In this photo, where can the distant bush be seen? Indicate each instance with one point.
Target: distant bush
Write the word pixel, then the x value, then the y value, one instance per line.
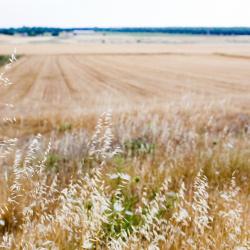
pixel 3 60
pixel 64 127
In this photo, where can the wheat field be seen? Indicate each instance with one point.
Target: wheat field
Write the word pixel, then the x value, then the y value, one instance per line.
pixel 125 146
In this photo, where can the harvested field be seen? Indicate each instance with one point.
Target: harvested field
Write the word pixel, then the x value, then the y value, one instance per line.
pixel 69 80
pixel 76 83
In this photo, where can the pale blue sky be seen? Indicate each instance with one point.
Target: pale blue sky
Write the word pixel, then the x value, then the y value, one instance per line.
pixel 117 13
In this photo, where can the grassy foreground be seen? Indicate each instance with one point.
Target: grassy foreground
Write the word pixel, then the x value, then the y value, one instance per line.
pixel 169 177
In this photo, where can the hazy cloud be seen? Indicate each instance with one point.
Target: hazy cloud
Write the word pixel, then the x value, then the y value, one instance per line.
pixel 80 13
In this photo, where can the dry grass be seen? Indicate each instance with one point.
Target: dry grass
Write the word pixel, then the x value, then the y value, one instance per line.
pixel 169 173
pixel 169 178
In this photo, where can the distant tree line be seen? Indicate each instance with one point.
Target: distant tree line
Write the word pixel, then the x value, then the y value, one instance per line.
pixel 183 30
pixel 34 31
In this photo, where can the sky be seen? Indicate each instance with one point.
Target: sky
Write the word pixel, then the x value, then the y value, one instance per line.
pixel 124 13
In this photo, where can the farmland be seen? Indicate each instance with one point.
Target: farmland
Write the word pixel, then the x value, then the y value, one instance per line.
pixel 66 83
pixel 125 145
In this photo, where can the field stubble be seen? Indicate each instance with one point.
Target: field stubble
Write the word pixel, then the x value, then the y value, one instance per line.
pixel 52 87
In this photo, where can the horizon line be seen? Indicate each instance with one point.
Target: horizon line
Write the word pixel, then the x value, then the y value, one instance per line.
pixel 122 27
